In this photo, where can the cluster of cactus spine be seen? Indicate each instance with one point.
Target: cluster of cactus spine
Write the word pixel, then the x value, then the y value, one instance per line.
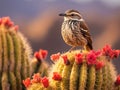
pixel 16 63
pixel 82 70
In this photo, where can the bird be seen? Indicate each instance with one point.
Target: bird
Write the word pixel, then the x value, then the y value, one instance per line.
pixel 75 31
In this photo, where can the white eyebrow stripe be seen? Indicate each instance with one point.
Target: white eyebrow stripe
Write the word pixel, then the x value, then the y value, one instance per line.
pixel 78 14
pixel 79 19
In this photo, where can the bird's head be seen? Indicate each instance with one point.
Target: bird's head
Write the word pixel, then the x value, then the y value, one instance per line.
pixel 71 15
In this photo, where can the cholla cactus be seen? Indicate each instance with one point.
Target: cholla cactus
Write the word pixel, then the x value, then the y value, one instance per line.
pixel 14 56
pixel 82 70
pixel 38 64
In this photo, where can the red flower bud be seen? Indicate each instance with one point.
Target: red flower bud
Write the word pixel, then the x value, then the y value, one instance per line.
pixel 117 82
pixel 97 53
pixel 65 59
pixel 27 82
pixel 36 78
pixel 36 54
pixel 91 58
pixel 55 57
pixel 45 82
pixel 99 65
pixel 42 54
pixel 107 50
pixel 6 21
pixel 79 58
pixel 56 76
pixel 114 54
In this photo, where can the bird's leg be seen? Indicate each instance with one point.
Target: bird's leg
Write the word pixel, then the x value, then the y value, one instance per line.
pixel 71 49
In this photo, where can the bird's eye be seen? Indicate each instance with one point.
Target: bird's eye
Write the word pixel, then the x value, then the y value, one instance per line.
pixel 72 14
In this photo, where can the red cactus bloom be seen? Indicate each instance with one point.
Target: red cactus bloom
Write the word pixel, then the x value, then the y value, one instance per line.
pixel 27 82
pixel 45 82
pixel 114 54
pixel 6 21
pixel 99 65
pixel 107 50
pixel 65 58
pixel 36 54
pixel 42 54
pixel 97 53
pixel 117 82
pixel 79 58
pixel 91 58
pixel 55 57
pixel 56 76
pixel 36 78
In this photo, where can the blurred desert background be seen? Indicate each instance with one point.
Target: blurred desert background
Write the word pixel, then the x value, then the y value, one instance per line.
pixel 38 20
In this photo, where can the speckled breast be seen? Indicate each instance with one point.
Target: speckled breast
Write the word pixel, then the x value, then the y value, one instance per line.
pixel 71 33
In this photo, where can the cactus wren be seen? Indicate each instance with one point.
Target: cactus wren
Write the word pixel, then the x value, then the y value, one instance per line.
pixel 75 31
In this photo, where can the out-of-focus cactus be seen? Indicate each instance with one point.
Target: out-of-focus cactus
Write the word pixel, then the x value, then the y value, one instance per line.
pixel 82 70
pixel 38 64
pixel 14 56
pixel 37 83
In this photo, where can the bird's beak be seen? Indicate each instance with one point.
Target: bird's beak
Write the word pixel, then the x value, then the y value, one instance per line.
pixel 62 14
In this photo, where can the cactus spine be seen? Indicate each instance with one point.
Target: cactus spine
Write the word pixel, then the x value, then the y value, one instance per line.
pixel 14 64
pixel 83 76
pixel 81 70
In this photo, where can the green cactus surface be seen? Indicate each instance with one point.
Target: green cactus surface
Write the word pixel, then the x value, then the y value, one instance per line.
pixel 81 75
pixel 80 70
pixel 14 56
pixel 39 67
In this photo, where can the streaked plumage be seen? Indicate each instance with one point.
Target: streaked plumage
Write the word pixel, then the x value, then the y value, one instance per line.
pixel 74 30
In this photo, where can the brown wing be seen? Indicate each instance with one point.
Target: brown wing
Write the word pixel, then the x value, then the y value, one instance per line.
pixel 85 32
pixel 84 25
